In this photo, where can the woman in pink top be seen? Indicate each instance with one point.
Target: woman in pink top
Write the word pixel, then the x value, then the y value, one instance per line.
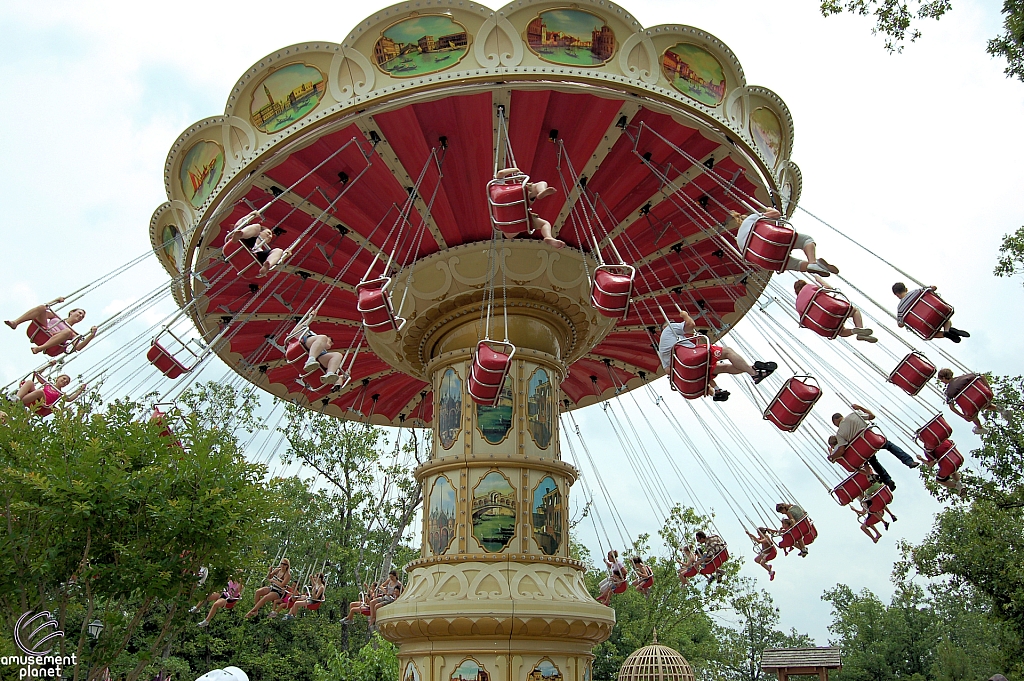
pixel 805 292
pixel 46 394
pixel 59 330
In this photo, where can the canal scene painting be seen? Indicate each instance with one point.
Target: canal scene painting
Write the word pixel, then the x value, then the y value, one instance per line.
pixel 547 516
pixel 695 72
pixel 495 422
pixel 571 37
pixel 766 129
pixel 420 45
pixel 470 670
pixel 545 670
pixel 441 515
pixel 200 171
pixel 449 408
pixel 494 512
pixel 285 96
pixel 540 407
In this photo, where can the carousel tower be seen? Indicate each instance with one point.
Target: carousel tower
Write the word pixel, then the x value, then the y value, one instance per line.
pixel 370 159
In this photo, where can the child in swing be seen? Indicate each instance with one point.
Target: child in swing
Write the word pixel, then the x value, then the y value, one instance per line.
pixel 534 192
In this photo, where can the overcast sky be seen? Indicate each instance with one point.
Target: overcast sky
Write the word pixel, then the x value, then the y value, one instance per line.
pixel 916 155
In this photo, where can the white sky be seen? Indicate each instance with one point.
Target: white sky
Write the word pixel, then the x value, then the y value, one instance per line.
pixel 918 155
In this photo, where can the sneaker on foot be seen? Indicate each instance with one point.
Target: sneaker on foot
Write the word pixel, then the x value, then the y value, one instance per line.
pixel 194 609
pixel 952 335
pixel 329 377
pixel 803 554
pixel 815 268
pixel 913 464
pixel 1006 414
pixel 310 365
pixel 979 430
pixel 867 338
pixel 861 331
pixel 960 332
pixel 771 576
pixel 202 624
pixel 831 268
pixel 891 484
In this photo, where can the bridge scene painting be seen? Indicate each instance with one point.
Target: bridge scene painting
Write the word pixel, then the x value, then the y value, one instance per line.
pixel 494 512
pixel 200 171
pixel 420 45
pixel 695 72
pixel 286 96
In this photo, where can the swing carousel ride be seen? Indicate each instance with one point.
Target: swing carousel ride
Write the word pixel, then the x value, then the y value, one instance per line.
pixel 478 221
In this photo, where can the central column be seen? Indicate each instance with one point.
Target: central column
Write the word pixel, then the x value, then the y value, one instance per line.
pixel 494 595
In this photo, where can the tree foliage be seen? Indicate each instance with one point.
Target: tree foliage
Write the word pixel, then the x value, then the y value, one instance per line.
pixel 897 22
pixel 1011 255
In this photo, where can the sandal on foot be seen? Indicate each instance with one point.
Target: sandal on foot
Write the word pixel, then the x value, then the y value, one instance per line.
pixel 720 395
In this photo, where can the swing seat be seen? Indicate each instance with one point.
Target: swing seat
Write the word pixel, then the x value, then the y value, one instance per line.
pixel 374 305
pixel 947 457
pixel 974 398
pixel 793 403
pixel 933 433
pixel 770 243
pixel 646 584
pixel 160 418
pixel 229 604
pixel 769 554
pixel 873 518
pixel 691 572
pixel 852 488
pixel 510 205
pixel 803 531
pixel 620 588
pixel 691 367
pixel 612 289
pixel 861 448
pixel 912 373
pixel 879 500
pixel 927 314
pixel 38 335
pixel 490 367
pixel 314 606
pixel 826 313
pixel 716 562
pixel 167 363
pixel 241 260
pixel 365 610
pixel 295 353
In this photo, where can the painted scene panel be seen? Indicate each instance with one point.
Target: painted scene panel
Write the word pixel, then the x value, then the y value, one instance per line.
pixel 285 96
pixel 494 512
pixel 766 129
pixel 695 72
pixel 411 672
pixel 547 516
pixel 441 515
pixel 540 407
pixel 495 422
pixel 470 670
pixel 571 37
pixel 201 170
pixel 545 670
pixel 449 419
pixel 420 45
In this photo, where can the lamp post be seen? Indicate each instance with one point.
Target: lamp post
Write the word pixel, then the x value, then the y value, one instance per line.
pixel 95 628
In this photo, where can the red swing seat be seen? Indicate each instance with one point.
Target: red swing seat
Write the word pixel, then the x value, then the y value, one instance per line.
pixel 826 313
pixel 912 373
pixel 793 403
pixel 314 606
pixel 716 562
pixel 168 364
pixel 691 572
pixel 295 353
pixel 974 398
pixel 162 419
pixel 770 243
pixel 861 448
pixel 510 205
pixel 769 554
pixel 803 530
pixel 933 433
pixel 646 584
pixel 229 604
pixel 490 367
pixel 621 587
pixel 852 487
pixel 365 610
pixel 374 305
pixel 947 457
pixel 691 367
pixel 879 500
pixel 612 289
pixel 927 314
pixel 39 335
pixel 242 260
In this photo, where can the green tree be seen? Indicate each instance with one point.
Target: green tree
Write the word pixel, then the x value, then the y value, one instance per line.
pixel 898 20
pixel 108 516
pixel 376 661
pixel 756 630
pixel 1011 255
